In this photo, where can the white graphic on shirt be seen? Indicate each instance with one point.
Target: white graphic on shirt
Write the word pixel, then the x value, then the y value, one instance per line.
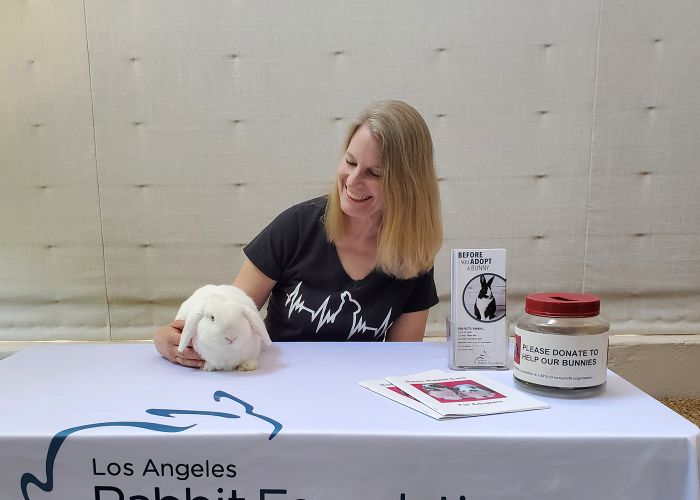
pixel 295 301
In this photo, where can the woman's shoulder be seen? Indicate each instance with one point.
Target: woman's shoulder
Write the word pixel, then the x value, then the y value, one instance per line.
pixel 313 205
pixel 301 217
pixel 309 210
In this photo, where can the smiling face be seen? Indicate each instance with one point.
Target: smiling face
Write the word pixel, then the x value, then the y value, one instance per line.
pixel 360 177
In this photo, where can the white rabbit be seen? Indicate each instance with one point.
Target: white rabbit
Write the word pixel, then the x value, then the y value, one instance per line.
pixel 226 327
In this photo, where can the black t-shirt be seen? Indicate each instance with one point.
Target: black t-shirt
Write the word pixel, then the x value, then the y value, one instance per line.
pixel 314 299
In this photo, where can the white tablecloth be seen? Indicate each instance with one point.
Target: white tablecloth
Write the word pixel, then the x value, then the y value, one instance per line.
pixel 118 422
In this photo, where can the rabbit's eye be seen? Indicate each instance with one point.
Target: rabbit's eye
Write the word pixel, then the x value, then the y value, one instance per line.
pixel 212 318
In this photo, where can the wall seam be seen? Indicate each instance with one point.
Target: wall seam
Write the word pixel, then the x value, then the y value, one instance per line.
pixel 97 173
pixel 590 152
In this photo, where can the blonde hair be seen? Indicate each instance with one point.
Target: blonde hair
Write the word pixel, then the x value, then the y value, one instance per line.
pixel 410 232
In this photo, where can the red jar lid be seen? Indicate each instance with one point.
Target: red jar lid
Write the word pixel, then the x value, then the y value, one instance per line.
pixel 571 305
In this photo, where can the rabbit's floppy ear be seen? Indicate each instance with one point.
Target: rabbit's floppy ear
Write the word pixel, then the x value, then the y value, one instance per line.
pixel 190 328
pixel 257 324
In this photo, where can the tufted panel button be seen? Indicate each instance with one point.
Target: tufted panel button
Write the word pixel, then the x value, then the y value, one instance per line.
pixel 238 184
pixel 644 173
pixel 232 56
pixel 43 186
pixel 338 53
pixel 141 186
pixel 133 59
pixel 441 179
pixel 441 115
pixel 540 176
pixel 441 49
pixel 236 121
pixel 538 237
pixel 50 246
pixel 640 235
pixel 137 124
pixel 651 108
pixel 337 118
pixel 37 125
pixel 547 45
pixel 145 245
pixel 544 112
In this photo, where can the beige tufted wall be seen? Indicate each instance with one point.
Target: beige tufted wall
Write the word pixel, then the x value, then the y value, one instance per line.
pixel 143 143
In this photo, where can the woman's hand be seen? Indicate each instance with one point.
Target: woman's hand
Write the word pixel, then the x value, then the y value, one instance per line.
pixel 167 340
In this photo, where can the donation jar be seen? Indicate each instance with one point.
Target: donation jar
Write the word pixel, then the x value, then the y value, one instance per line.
pixel 561 345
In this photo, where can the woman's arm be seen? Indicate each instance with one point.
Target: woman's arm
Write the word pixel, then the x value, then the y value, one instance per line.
pixel 254 282
pixel 409 327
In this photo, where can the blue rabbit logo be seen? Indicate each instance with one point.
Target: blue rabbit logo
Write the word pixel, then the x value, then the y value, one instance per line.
pixel 61 436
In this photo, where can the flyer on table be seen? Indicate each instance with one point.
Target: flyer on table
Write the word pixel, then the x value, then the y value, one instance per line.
pixel 389 390
pixel 466 394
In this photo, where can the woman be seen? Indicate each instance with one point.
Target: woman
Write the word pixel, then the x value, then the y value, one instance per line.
pixel 358 263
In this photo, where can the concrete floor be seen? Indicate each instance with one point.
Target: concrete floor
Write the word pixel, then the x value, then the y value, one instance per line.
pixel 689 408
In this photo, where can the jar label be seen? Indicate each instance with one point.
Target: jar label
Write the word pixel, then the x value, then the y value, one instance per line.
pixel 566 361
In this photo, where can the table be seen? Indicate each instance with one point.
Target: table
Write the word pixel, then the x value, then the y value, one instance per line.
pixel 118 422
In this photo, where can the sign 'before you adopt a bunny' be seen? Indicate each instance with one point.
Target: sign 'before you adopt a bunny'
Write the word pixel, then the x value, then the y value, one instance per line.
pixel 477 327
pixel 225 328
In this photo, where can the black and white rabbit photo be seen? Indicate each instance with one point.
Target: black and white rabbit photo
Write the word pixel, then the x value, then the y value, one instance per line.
pixel 485 303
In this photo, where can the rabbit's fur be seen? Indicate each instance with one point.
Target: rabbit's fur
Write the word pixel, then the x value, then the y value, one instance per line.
pixel 485 304
pixel 226 327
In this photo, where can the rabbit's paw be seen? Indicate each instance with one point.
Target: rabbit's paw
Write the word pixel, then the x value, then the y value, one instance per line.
pixel 208 367
pixel 250 365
